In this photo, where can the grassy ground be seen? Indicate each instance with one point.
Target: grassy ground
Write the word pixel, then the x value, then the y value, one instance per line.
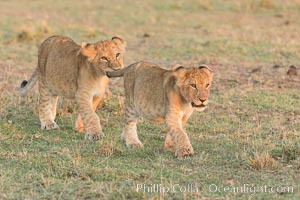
pixel 246 143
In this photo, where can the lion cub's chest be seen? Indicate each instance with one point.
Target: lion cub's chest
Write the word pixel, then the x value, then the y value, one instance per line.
pixel 100 86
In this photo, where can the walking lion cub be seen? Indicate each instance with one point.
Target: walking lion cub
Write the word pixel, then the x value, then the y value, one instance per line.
pixel 74 72
pixel 163 95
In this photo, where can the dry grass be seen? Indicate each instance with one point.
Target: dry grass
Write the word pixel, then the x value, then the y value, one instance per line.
pixel 262 161
pixel 28 33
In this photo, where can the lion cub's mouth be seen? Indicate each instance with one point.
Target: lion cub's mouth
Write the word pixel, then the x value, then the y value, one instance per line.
pixel 198 106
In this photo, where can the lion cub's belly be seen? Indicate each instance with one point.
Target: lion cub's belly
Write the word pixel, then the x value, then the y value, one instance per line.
pixel 158 118
pixel 64 88
pixel 154 113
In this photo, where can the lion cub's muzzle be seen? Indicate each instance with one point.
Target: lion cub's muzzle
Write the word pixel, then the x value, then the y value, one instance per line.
pixel 198 105
pixel 112 69
pixel 114 66
pixel 201 104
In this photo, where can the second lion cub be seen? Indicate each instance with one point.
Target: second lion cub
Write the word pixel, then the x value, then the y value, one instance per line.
pixel 163 95
pixel 75 72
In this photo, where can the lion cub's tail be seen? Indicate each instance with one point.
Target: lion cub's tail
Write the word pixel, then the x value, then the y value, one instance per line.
pixel 119 73
pixel 27 85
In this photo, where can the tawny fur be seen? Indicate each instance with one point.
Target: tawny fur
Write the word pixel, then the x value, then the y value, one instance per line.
pixel 74 72
pixel 163 95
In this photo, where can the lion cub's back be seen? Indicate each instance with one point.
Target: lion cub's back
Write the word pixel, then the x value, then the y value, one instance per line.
pixel 58 64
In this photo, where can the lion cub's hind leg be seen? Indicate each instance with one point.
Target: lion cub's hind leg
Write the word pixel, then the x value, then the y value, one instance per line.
pixel 54 101
pixel 129 133
pixel 47 108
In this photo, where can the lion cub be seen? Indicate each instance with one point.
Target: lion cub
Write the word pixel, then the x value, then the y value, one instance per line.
pixel 74 72
pixel 158 94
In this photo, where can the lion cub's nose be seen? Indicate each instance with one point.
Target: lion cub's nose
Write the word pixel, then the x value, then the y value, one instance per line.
pixel 202 100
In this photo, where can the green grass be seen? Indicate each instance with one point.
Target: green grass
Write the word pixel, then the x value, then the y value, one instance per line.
pixel 248 136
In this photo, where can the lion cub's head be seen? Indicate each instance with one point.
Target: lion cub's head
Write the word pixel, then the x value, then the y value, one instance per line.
pixel 107 55
pixel 194 84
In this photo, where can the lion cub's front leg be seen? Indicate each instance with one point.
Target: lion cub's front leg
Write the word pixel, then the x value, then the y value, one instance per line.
pixel 177 137
pixel 79 126
pixel 89 117
pixel 169 144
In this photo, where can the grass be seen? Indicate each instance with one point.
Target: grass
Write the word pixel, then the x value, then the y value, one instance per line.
pixel 248 137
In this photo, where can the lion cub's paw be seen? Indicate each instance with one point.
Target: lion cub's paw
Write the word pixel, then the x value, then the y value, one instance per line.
pixel 93 136
pixel 134 144
pixel 50 126
pixel 184 151
pixel 131 142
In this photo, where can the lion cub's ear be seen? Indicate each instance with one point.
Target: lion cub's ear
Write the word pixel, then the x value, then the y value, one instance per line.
pixel 119 41
pixel 205 67
pixel 176 66
pixel 88 50
pixel 179 70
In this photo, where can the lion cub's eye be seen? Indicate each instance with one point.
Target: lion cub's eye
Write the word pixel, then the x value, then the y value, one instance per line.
pixel 118 55
pixel 194 86
pixel 104 58
pixel 207 85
